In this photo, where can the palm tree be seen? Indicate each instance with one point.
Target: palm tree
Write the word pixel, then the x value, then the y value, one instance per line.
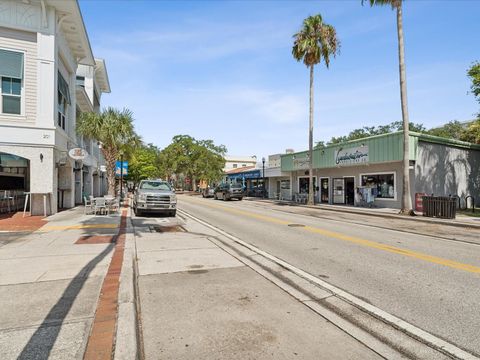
pixel 406 198
pixel 114 130
pixel 314 42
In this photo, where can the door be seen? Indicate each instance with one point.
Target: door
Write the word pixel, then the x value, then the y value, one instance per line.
pixel 350 191
pixel 339 191
pixel 324 190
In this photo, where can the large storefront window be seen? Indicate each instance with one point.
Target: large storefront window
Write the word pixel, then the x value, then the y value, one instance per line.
pixel 383 185
pixel 303 184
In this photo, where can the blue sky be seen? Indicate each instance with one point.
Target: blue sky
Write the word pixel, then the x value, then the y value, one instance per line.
pixel 223 70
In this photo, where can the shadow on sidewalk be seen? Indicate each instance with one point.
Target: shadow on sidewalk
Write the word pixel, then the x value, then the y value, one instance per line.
pixel 42 341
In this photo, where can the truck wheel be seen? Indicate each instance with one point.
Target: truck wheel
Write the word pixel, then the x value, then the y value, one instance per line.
pixel 138 212
pixel 173 213
pixel 215 197
pixel 240 199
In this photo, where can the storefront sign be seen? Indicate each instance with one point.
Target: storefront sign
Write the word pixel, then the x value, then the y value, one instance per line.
pixel 351 156
pixel 78 153
pixel 301 164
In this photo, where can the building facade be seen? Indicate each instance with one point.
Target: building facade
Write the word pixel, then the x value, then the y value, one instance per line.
pixel 369 171
pixel 237 162
pixel 44 46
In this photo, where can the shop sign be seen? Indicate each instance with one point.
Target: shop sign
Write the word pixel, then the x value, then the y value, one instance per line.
pixel 351 156
pixel 78 153
pixel 301 164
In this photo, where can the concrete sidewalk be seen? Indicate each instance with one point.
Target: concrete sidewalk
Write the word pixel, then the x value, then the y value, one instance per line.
pixel 199 302
pixel 50 284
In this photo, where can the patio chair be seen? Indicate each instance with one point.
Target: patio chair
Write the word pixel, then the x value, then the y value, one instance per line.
pixel 100 205
pixel 114 205
pixel 88 206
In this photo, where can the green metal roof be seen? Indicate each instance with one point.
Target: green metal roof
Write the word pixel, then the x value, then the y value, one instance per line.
pixel 380 148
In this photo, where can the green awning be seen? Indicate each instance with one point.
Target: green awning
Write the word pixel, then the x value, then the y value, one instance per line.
pixel 11 64
pixel 63 88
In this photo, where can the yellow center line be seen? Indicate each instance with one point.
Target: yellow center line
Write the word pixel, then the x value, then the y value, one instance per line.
pixel 83 226
pixel 356 240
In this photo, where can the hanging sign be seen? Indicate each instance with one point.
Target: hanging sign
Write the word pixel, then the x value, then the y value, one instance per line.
pixel 351 156
pixel 78 154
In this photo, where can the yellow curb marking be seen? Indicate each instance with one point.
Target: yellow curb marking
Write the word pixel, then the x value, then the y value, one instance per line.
pixel 364 242
pixel 84 226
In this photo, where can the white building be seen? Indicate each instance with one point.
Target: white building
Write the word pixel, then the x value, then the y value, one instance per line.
pixel 236 162
pixel 44 49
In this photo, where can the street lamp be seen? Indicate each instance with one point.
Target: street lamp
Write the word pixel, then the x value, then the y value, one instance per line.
pixel 263 174
pixel 121 176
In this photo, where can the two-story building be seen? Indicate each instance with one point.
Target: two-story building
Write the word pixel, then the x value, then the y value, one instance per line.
pixel 48 76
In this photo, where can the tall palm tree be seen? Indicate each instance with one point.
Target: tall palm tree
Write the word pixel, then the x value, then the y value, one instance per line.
pixel 406 198
pixel 315 41
pixel 114 129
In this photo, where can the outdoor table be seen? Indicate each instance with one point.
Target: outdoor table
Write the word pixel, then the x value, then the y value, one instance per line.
pixel 30 195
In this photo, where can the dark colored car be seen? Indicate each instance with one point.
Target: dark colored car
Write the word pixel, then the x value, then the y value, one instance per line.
pixel 228 192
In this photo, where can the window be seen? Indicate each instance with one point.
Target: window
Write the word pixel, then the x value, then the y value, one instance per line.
pixel 234 166
pixel 11 76
pixel 11 95
pixel 63 101
pixel 383 184
pixel 244 165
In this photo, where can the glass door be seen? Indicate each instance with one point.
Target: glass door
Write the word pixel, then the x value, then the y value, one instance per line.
pixel 339 191
pixel 324 193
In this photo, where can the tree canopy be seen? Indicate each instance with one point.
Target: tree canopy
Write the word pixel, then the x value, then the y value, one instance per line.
pixel 145 163
pixel 194 159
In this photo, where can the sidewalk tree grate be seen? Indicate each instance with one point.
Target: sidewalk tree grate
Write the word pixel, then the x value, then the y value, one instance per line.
pixel 296 225
pixel 95 239
pixel 165 229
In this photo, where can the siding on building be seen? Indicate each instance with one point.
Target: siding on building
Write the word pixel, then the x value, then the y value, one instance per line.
pixel 447 170
pixel 26 42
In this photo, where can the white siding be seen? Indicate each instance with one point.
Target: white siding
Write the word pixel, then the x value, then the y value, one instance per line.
pixel 24 42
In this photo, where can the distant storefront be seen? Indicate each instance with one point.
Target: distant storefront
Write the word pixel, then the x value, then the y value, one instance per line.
pixel 251 180
pixel 369 171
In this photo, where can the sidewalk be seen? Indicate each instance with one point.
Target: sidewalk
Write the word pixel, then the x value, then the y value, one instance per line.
pixel 199 302
pixel 50 282
pixel 460 221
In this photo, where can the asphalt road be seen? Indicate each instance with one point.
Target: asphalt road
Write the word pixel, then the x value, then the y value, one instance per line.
pixel 428 281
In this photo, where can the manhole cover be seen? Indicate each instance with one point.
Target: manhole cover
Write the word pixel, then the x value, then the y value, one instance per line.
pixel 165 229
pixel 296 225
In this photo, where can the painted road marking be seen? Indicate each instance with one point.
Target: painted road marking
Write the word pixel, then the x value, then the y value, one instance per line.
pixel 74 227
pixel 356 240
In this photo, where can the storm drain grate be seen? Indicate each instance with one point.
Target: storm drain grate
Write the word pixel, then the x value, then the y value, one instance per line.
pixel 167 229
pixel 296 225
pixel 95 239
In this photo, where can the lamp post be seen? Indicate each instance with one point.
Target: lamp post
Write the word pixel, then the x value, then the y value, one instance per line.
pixel 263 174
pixel 121 176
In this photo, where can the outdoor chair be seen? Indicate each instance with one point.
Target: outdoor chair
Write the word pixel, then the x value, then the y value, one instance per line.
pixel 114 205
pixel 100 205
pixel 88 206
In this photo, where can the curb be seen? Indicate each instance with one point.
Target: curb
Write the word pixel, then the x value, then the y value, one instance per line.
pixel 126 339
pixel 389 216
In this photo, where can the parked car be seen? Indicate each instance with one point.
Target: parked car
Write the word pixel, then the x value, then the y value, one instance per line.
pixel 155 196
pixel 228 192
pixel 208 192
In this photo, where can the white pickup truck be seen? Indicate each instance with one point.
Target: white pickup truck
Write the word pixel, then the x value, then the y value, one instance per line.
pixel 154 196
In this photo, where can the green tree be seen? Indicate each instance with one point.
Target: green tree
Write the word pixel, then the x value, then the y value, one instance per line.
pixel 144 163
pixel 472 132
pixel 474 75
pixel 194 159
pixel 367 131
pixel 115 131
pixel 452 130
pixel 316 40
pixel 407 208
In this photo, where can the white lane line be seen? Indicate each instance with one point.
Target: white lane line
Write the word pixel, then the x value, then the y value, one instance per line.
pixel 410 329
